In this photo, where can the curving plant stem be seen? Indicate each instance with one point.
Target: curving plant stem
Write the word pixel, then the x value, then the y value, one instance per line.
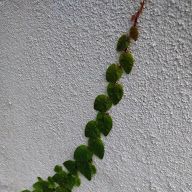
pixel 136 16
pixel 64 180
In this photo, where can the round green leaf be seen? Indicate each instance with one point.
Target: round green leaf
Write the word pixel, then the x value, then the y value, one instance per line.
pixel 123 43
pixel 92 130
pixel 71 166
pixel 96 145
pixel 126 60
pixel 113 73
pixel 64 179
pixel 70 182
pixel 115 92
pixel 58 168
pixel 51 183
pixel 44 186
pixel 93 169
pixel 38 186
pixel 60 177
pixel 105 123
pixel 85 169
pixel 102 103
pixel 82 153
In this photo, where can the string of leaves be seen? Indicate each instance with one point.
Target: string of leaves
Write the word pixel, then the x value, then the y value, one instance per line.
pixel 66 177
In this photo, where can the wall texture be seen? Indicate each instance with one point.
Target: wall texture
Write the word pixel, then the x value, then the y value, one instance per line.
pixel 53 57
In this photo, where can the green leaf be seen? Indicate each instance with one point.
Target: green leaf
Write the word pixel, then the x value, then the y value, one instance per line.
pixel 58 168
pixel 93 169
pixel 123 43
pixel 82 153
pixel 115 92
pixel 62 189
pixel 51 183
pixel 105 123
pixel 60 177
pixel 78 182
pixel 66 180
pixel 133 33
pixel 92 130
pixel 126 61
pixel 26 191
pixel 96 145
pixel 70 182
pixel 39 179
pixel 113 73
pixel 85 169
pixel 43 186
pixel 71 166
pixel 102 103
pixel 38 186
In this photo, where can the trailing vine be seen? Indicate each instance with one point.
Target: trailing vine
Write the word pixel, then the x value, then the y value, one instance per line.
pixel 64 180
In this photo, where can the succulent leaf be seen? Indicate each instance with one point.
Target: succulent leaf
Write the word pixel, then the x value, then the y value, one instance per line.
pixel 71 166
pixel 82 153
pixel 102 103
pixel 92 130
pixel 96 145
pixel 113 73
pixel 115 92
pixel 126 60
pixel 93 169
pixel 85 169
pixel 105 123
pixel 58 168
pixel 123 43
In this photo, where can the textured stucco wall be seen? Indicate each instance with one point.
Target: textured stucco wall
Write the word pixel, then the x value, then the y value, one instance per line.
pixel 53 57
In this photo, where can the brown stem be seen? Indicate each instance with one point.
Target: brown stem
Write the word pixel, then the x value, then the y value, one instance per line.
pixel 135 17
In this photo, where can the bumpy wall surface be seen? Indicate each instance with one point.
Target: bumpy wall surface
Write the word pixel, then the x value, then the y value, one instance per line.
pixel 53 58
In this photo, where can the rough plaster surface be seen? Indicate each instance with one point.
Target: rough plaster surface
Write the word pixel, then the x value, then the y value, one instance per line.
pixel 53 57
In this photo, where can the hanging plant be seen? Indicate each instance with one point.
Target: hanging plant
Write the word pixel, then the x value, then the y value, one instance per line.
pixel 64 180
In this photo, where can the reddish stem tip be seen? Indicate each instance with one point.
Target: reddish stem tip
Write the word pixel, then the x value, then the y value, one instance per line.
pixel 136 16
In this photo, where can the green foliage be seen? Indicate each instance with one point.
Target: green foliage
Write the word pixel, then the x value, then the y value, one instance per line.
pixel 77 182
pixel 105 123
pixel 92 130
pixel 65 180
pixel 44 186
pixel 58 168
pixel 62 189
pixel 71 166
pixel 93 169
pixel 115 92
pixel 123 43
pixel 126 61
pixel 60 177
pixel 96 145
pixel 113 73
pixel 102 103
pixel 25 191
pixel 82 153
pixel 70 182
pixel 85 169
pixel 133 33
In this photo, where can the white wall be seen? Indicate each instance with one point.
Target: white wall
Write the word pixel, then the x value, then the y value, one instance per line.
pixel 53 58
